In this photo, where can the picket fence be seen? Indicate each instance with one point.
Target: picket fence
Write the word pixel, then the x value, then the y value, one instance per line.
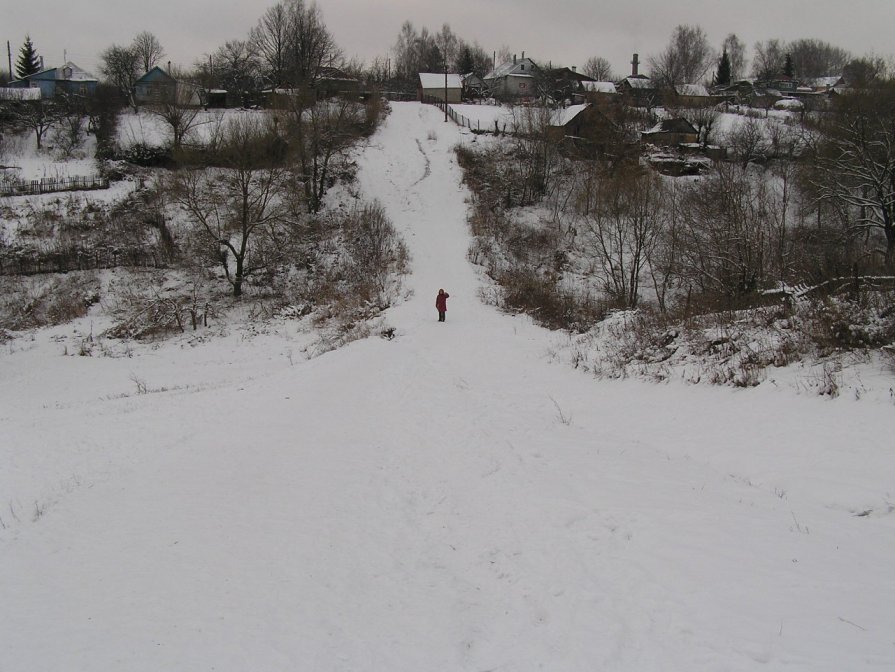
pixel 49 185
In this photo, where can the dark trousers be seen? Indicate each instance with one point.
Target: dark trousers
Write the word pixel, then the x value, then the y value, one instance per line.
pixel 441 316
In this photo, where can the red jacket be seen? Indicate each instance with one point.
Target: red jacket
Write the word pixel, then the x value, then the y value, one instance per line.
pixel 441 302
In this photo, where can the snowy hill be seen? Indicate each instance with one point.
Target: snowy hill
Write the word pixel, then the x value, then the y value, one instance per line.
pixel 451 499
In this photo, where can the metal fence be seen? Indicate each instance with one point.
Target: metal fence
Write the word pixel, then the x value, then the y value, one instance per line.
pixel 49 185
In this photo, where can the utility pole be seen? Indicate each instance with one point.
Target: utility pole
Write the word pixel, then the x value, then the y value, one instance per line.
pixel 9 56
pixel 445 91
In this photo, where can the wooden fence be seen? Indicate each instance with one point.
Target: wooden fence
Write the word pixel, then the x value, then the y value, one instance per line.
pixel 63 260
pixel 459 119
pixel 49 185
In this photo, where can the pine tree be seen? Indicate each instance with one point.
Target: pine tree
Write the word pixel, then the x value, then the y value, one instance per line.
pixel 788 69
pixel 27 63
pixel 722 76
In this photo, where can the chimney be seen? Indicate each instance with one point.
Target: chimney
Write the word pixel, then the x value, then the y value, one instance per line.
pixel 635 63
pixel 574 68
pixel 514 59
pixel 523 55
pixel 169 67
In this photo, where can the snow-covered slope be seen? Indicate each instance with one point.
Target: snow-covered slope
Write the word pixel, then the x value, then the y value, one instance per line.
pixel 447 500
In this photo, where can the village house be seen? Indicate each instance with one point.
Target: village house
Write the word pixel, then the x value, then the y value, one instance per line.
pixel 440 86
pixel 68 79
pixel 690 95
pixel 601 94
pixel 671 133
pixel 473 86
pixel 332 82
pixel 513 79
pixel 157 86
pixel 565 84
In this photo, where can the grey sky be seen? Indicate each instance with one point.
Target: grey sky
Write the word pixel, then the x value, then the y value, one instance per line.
pixel 565 32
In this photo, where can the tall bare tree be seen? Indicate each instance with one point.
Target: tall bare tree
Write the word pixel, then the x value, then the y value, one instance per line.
pixel 856 161
pixel 598 68
pixel 120 66
pixel 686 60
pixel 816 58
pixel 148 50
pixel 768 60
pixel 238 209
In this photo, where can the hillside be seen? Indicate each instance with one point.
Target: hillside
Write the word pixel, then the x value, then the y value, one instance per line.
pixel 449 499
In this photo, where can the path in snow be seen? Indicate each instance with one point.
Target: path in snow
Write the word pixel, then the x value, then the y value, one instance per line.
pixel 448 500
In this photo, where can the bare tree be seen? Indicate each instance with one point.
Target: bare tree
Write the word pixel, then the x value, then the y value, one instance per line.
pixel 320 134
pixel 686 60
pixel 236 66
pixel 816 58
pixel 293 43
pixel 598 68
pixel 120 67
pixel 238 210
pixel 624 219
pixel 768 59
pixel 148 50
pixel 856 161
pixel 38 115
pixel 180 111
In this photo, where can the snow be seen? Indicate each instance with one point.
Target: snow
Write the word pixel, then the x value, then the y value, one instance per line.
pixel 452 499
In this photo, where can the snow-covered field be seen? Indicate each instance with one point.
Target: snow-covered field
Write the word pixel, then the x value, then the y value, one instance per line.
pixel 451 499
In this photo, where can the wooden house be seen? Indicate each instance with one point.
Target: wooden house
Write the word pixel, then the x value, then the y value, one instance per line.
pixel 66 80
pixel 157 87
pixel 513 79
pixel 580 122
pixel 639 91
pixel 690 95
pixel 332 82
pixel 601 94
pixel 440 86
pixel 671 132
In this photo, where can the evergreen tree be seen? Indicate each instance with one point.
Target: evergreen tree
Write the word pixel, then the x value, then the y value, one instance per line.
pixel 788 69
pixel 722 76
pixel 466 63
pixel 27 63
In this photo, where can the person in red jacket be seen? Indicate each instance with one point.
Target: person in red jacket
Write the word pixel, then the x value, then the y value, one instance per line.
pixel 441 303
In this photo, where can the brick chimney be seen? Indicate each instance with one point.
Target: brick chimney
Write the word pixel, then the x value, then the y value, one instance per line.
pixel 635 65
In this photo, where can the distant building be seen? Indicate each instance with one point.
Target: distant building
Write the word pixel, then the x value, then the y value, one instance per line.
pixel 513 79
pixel 332 82
pixel 157 86
pixel 66 80
pixel 671 132
pixel 600 93
pixel 691 95
pixel 436 85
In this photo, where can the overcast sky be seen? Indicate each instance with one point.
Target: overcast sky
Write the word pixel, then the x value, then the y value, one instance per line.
pixel 564 32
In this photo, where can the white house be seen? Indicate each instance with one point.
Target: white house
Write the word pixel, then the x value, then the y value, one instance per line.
pixel 513 79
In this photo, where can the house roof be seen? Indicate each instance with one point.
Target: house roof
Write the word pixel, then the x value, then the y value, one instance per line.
pixel 154 75
pixel 326 72
pixel 563 116
pixel 435 80
pixel 644 83
pixel 599 87
pixel 674 125
pixel 66 73
pixel 512 68
pixel 692 90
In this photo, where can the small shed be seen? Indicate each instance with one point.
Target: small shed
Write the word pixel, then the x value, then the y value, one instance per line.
pixel 438 84
pixel 671 132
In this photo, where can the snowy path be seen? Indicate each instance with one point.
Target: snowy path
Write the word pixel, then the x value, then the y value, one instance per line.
pixel 420 504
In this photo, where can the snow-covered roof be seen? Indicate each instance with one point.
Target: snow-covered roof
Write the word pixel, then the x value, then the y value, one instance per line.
pixel 435 80
pixel 517 67
pixel 599 87
pixel 640 82
pixel 68 72
pixel 563 116
pixel 694 90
